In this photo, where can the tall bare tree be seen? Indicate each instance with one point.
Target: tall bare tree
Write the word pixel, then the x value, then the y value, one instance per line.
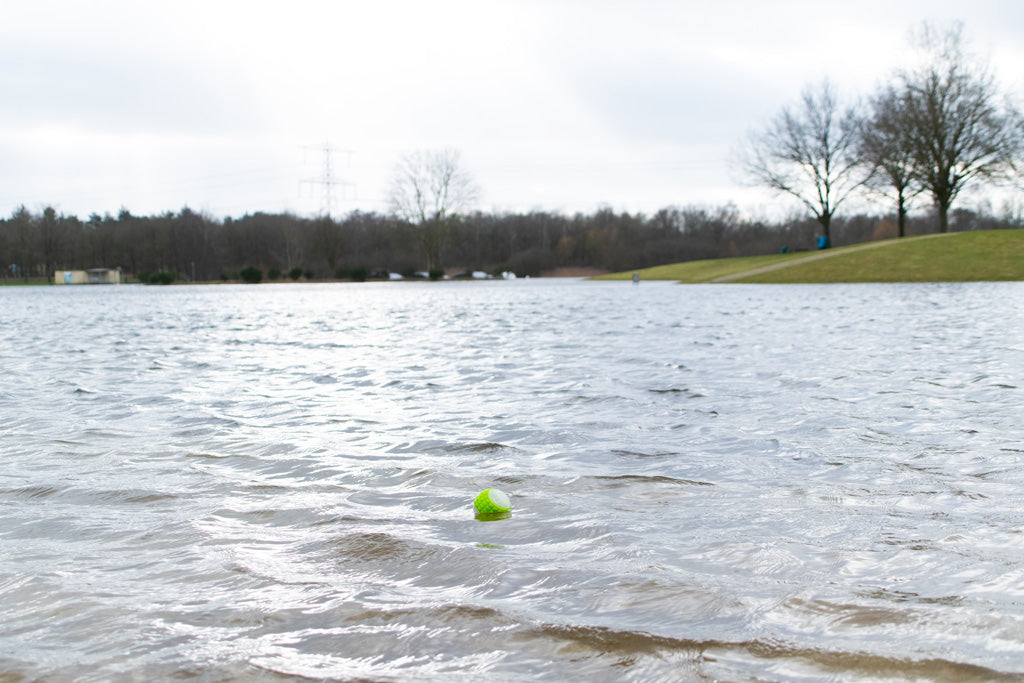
pixel 429 189
pixel 961 130
pixel 809 152
pixel 885 147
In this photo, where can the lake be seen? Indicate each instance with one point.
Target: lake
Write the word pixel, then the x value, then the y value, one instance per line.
pixel 711 482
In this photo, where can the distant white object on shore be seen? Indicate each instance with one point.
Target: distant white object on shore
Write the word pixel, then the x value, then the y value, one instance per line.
pixel 93 276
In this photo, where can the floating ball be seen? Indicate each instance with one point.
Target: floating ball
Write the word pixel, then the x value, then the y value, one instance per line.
pixel 492 502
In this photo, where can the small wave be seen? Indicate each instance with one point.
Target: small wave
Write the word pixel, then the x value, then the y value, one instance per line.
pixel 422 446
pixel 688 393
pixel 639 454
pixel 130 496
pixel 30 492
pixel 616 481
pixel 486 447
pixel 714 654
pixel 380 547
pixel 85 496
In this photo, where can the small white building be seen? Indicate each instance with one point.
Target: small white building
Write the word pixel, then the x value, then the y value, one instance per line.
pixel 93 276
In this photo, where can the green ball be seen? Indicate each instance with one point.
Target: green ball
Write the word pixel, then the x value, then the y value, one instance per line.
pixel 492 502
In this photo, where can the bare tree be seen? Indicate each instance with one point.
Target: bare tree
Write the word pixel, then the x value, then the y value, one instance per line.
pixel 960 131
pixel 429 189
pixel 809 152
pixel 885 147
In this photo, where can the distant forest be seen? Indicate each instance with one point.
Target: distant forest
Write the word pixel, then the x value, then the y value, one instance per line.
pixel 190 246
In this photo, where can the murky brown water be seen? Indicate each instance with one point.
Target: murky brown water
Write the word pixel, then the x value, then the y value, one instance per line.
pixel 709 483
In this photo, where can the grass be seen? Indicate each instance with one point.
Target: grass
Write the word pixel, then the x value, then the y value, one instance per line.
pixel 991 255
pixel 703 271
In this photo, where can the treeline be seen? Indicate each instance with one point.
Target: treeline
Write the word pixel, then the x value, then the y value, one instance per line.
pixel 192 246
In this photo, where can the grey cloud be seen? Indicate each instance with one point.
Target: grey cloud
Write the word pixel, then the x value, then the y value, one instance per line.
pixel 663 98
pixel 122 93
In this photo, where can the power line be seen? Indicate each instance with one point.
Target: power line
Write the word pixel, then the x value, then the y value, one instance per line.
pixel 327 180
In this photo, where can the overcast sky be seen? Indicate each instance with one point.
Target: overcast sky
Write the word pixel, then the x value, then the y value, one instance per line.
pixel 556 105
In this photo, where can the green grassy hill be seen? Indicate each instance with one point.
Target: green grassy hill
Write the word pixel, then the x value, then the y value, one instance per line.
pixel 954 257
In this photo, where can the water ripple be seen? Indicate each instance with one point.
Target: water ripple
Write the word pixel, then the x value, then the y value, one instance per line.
pixel 720 483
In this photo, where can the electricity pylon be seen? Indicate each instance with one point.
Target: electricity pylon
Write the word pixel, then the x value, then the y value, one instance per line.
pixel 327 181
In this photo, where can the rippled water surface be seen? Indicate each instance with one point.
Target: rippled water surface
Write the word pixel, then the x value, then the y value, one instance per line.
pixel 721 482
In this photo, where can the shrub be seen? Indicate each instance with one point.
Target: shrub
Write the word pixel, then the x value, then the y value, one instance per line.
pixel 164 277
pixel 274 274
pixel 295 273
pixel 358 274
pixel 436 273
pixel 160 277
pixel 251 275
pixel 532 262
